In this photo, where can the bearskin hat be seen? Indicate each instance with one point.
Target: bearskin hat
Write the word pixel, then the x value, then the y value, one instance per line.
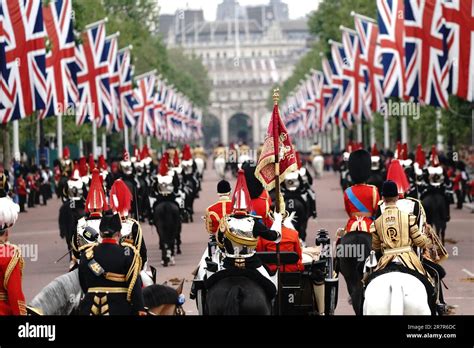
pixel 359 166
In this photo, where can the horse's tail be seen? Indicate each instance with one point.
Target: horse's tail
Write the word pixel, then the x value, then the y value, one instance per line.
pixel 396 299
pixel 232 301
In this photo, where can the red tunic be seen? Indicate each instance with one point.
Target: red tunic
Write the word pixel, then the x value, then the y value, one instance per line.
pixel 21 187
pixel 12 299
pixel 360 201
pixel 215 212
pixel 261 207
pixel 289 242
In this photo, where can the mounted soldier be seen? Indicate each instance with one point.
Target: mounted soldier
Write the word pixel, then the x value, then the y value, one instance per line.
pixel 109 274
pixel 12 299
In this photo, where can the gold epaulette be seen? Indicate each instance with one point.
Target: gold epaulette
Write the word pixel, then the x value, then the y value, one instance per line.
pixel 16 259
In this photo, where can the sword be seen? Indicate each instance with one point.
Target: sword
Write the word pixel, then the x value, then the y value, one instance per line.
pixel 62 257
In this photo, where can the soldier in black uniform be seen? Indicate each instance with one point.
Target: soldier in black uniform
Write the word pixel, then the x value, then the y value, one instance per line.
pixel 109 274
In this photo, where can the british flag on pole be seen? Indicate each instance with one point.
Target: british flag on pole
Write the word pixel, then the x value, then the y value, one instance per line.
pixel 112 120
pixel 426 53
pixel 61 68
pixel 368 32
pixel 459 17
pixel 24 75
pixel 93 76
pixel 391 20
pixel 329 91
pixel 145 99
pixel 126 100
pixel 4 95
pixel 339 60
pixel 317 79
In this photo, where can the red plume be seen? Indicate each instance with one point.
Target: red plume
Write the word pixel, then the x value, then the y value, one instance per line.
pixel 136 152
pixel 434 160
pixel 176 158
pixel 76 173
pixel 375 151
pixel 91 163
pixel 102 164
pixel 66 153
pixel 241 197
pixel 298 159
pixel 420 156
pixel 405 151
pixel 398 152
pixel 96 195
pixel 120 197
pixel 398 175
pixel 164 164
pixel 82 166
pixel 145 152
pixel 126 155
pixel 187 155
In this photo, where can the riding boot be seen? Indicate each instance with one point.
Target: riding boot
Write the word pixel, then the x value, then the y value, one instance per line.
pixel 318 291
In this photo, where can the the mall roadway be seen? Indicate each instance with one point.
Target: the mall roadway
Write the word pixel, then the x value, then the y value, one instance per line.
pixel 39 228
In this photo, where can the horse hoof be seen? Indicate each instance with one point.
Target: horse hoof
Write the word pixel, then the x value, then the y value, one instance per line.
pixel 178 251
pixel 172 262
pixel 164 263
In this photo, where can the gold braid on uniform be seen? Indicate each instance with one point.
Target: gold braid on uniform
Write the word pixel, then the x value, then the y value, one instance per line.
pixel 138 238
pixel 16 259
pixel 86 247
pixel 134 270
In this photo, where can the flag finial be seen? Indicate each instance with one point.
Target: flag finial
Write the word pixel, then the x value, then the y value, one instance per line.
pixel 276 96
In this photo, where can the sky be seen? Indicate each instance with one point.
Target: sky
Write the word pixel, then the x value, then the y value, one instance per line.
pixel 297 8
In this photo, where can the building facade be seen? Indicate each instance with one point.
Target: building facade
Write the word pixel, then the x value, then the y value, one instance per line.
pixel 246 51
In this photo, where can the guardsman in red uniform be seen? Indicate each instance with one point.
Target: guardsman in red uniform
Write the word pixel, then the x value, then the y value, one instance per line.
pixel 12 299
pixel 222 207
pixel 261 201
pixel 360 200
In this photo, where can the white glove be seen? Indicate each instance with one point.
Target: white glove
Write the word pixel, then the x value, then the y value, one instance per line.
pixel 276 226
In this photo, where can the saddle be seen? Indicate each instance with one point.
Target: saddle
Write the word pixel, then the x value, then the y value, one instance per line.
pixel 393 267
pixel 267 286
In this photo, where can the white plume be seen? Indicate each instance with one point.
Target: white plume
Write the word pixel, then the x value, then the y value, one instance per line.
pixel 8 212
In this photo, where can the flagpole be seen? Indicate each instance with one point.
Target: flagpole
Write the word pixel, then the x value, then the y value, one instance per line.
pixel 148 142
pixel 16 139
pixel 276 143
pixel 439 136
pixel 59 136
pixel 342 139
pixel 386 133
pixel 404 127
pixel 125 137
pixel 104 145
pixel 372 134
pixel 94 138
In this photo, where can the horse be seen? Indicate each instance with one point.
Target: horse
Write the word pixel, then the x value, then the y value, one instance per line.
pixel 200 165
pixel 352 251
pixel 237 295
pixel 190 188
pixel 143 202
pixel 220 166
pixel 396 293
pixel 69 214
pixel 167 220
pixel 318 165
pixel 295 204
pixel 436 210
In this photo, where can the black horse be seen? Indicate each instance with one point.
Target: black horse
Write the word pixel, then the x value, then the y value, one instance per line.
pixel 295 203
pixel 352 251
pixel 69 214
pixel 167 220
pixel 237 295
pixel 143 201
pixel 437 211
pixel 190 188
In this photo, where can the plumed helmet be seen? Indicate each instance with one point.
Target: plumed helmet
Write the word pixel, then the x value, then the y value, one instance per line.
pixel 434 159
pixel 223 187
pixel 96 196
pixel 176 158
pixel 241 202
pixel 145 152
pixel 120 197
pixel 83 166
pixel 420 156
pixel 254 186
pixel 91 163
pixel 359 166
pixel 66 153
pixel 110 224
pixel 8 213
pixel 163 171
pixel 397 174
pixel 102 164
pixel 187 155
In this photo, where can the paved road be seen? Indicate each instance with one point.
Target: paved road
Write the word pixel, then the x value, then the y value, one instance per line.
pixel 38 230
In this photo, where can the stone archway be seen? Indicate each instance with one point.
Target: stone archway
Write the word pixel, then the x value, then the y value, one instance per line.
pixel 241 128
pixel 211 129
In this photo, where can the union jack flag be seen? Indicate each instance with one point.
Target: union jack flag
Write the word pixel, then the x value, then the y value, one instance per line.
pixel 339 60
pixel 93 77
pixel 368 33
pixel 317 79
pixel 112 121
pixel 4 101
pixel 144 95
pixel 426 53
pixel 459 16
pixel 160 120
pixel 390 17
pixel 24 71
pixel 60 60
pixel 331 90
pixel 127 101
pixel 352 73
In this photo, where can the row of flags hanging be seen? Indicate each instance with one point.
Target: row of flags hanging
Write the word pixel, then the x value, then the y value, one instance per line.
pixel 417 50
pixel 43 69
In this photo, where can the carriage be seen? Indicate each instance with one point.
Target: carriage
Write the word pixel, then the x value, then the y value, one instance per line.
pixel 312 291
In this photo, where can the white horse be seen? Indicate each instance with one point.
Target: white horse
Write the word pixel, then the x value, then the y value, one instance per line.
pixel 396 293
pixel 199 165
pixel 318 165
pixel 219 166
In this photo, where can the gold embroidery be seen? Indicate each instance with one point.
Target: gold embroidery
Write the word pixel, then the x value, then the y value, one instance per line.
pixel 16 258
pixel 110 290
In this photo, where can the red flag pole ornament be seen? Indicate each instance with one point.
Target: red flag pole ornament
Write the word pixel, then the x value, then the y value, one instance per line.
pixel 278 156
